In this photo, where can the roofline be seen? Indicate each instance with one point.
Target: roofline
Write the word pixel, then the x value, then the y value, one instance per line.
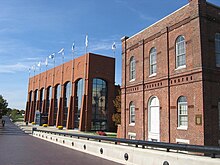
pixel 211 4
pixel 158 21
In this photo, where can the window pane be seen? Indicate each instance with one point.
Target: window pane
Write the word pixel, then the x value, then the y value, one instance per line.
pixel 153 61
pixel 99 105
pixel 180 52
pixel 132 113
pixel 132 68
pixel 182 112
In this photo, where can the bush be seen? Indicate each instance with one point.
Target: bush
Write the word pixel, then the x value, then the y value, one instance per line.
pixel 60 127
pixel 45 125
pixel 101 133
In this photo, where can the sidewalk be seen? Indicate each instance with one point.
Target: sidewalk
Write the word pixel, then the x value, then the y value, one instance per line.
pixel 28 129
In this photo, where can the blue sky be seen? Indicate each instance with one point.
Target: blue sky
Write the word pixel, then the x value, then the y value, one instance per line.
pixel 31 30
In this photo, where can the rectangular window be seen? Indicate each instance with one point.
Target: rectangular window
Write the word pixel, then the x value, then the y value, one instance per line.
pixel 183 116
pixel 132 114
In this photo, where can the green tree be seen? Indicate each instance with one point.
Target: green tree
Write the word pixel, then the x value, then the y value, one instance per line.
pixel 3 105
pixel 116 117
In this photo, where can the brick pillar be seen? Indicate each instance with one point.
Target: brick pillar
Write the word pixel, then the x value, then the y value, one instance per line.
pixel 27 111
pixel 123 88
pixel 70 119
pixel 60 112
pixel 83 114
pixel 51 113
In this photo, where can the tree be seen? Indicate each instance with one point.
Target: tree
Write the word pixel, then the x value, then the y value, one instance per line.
pixel 116 117
pixel 3 105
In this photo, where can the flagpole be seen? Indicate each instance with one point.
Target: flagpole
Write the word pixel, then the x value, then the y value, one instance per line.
pixel 73 47
pixel 45 90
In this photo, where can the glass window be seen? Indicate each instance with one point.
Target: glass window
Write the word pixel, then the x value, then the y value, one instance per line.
pixel 99 104
pixel 180 52
pixel 35 95
pixel 30 96
pixel 153 61
pixel 132 68
pixel 41 98
pixel 182 112
pixel 217 49
pixel 132 113
pixel 79 98
pixel 56 100
pixel 67 94
pixel 57 94
pixel 49 95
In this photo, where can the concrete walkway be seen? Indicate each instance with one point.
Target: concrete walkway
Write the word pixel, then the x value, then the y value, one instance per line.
pixel 19 148
pixel 28 128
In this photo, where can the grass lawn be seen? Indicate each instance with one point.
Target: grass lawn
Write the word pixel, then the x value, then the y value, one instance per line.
pixel 17 118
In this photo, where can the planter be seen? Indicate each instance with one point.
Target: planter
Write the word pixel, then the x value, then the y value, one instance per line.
pixel 45 125
pixel 60 127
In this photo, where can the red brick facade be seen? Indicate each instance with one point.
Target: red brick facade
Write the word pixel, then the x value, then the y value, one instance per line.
pixel 87 67
pixel 198 80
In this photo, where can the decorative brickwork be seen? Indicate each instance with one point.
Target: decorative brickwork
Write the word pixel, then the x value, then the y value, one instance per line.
pixel 198 80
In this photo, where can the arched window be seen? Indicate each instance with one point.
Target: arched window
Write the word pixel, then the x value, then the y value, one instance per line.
pixel 41 98
pixel 132 68
pixel 180 52
pixel 30 96
pixel 35 95
pixel 217 49
pixel 132 112
pixel 99 104
pixel 56 101
pixel 79 97
pixel 67 94
pixel 153 61
pixel 49 95
pixel 182 112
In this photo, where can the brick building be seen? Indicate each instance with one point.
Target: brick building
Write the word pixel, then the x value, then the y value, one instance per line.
pixel 171 78
pixel 77 94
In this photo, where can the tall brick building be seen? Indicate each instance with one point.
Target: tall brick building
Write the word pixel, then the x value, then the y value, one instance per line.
pixel 171 78
pixel 77 94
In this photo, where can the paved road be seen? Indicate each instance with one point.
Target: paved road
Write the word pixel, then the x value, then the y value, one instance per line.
pixel 18 148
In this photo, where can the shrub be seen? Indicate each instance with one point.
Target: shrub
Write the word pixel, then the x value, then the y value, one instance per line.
pixel 60 127
pixel 101 133
pixel 45 125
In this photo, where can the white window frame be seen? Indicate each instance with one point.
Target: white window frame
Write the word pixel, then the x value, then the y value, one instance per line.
pixel 132 69
pixel 131 135
pixel 217 49
pixel 131 114
pixel 179 105
pixel 180 54
pixel 153 62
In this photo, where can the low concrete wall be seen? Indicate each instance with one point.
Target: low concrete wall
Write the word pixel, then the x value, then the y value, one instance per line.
pixel 118 153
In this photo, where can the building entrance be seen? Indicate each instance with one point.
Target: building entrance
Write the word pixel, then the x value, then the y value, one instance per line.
pixel 154 120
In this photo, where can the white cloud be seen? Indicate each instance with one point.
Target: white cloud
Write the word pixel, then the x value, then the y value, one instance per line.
pixel 12 68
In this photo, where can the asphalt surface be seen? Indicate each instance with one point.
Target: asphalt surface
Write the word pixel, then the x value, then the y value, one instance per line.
pixel 18 148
